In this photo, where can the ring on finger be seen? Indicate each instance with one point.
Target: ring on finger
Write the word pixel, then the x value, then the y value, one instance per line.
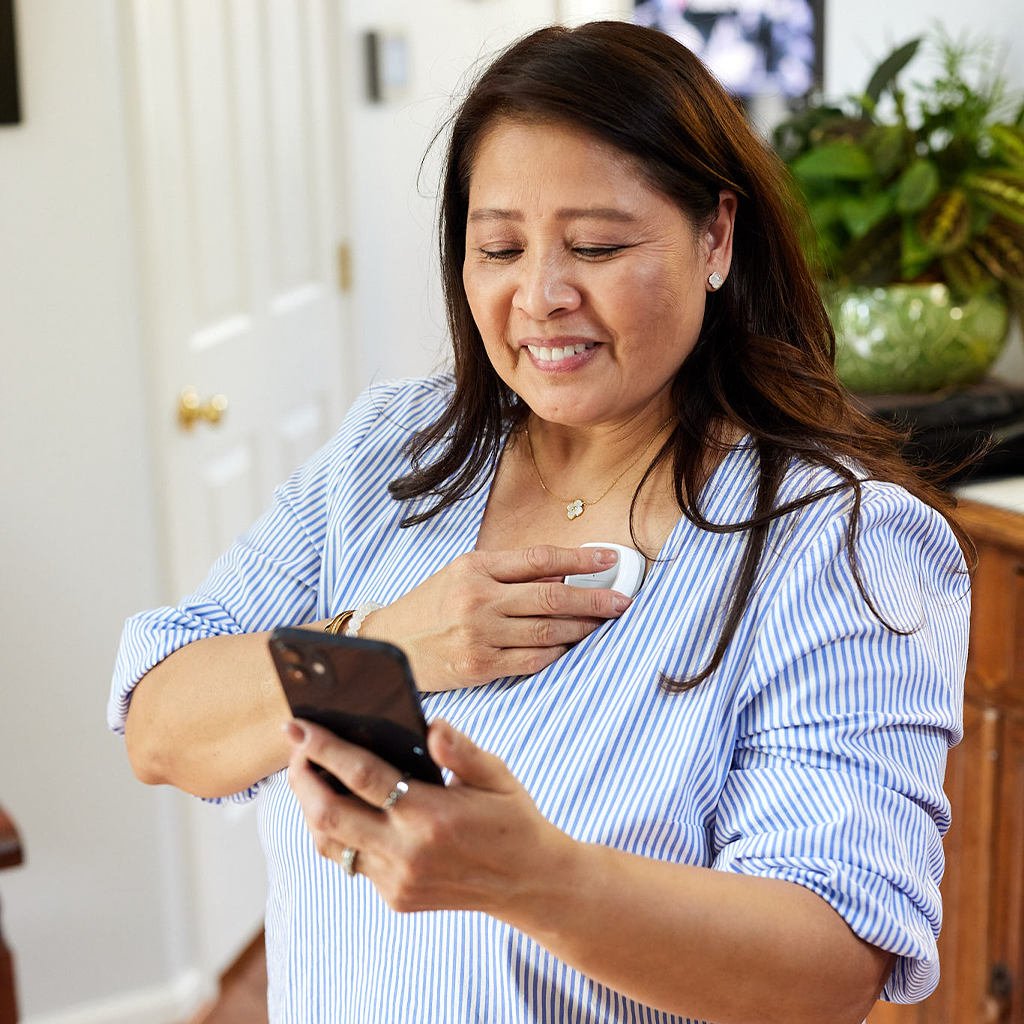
pixel 348 861
pixel 401 788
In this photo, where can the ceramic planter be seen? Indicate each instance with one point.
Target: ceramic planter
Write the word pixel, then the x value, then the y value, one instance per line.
pixel 914 338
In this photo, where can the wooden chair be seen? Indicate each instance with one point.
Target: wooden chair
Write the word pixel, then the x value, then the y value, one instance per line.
pixel 10 855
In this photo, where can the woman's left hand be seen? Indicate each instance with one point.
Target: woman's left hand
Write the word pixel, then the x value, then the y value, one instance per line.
pixel 477 844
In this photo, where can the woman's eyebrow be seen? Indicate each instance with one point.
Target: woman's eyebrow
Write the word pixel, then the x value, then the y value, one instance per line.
pixel 565 213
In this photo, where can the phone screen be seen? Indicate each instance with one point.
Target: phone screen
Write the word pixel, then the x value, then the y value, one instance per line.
pixel 362 690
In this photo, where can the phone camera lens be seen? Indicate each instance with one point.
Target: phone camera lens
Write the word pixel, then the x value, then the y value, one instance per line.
pixel 319 668
pixel 297 674
pixel 292 655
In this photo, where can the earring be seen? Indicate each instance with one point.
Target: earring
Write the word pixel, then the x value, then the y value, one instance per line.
pixel 716 281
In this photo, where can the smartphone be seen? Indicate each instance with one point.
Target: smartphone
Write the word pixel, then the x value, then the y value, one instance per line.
pixel 362 690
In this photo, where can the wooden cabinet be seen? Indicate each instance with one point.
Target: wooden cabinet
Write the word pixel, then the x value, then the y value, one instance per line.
pixel 981 947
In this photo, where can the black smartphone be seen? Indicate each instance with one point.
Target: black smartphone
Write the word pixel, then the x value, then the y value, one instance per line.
pixel 362 690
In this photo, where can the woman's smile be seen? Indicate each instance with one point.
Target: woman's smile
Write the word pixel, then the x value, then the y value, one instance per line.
pixel 560 355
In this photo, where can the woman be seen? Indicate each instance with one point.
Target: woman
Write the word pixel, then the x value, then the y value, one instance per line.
pixel 719 801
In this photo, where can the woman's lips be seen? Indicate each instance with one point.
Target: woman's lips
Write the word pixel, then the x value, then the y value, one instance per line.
pixel 546 353
pixel 560 357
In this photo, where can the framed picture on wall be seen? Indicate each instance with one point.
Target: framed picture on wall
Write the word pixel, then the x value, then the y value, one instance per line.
pixel 10 107
pixel 766 53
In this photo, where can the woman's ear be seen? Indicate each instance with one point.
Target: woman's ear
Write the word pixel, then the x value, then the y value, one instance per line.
pixel 719 239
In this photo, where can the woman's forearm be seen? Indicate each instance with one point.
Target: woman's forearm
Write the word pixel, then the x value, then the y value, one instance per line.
pixel 207 719
pixel 706 944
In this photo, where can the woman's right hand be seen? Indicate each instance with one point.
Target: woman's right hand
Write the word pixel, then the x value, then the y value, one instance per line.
pixel 490 614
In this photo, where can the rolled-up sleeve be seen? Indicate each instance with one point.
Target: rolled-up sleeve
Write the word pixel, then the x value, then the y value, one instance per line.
pixel 844 728
pixel 269 577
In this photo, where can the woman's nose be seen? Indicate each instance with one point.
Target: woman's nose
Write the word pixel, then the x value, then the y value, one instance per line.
pixel 545 289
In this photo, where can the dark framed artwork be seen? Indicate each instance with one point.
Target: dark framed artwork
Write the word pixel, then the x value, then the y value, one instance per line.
pixel 755 48
pixel 10 108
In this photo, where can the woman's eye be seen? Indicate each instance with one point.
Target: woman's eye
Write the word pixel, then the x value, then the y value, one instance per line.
pixel 594 251
pixel 587 251
pixel 500 255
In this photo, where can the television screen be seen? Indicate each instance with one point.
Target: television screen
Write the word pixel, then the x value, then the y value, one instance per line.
pixel 754 47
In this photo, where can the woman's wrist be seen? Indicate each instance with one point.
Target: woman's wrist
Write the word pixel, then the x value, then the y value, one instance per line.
pixel 386 624
pixel 550 876
pixel 375 625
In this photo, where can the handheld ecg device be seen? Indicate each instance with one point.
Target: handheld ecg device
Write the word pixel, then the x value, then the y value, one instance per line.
pixel 625 575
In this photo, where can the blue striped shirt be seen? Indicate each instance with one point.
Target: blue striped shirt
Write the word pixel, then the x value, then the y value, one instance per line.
pixel 815 753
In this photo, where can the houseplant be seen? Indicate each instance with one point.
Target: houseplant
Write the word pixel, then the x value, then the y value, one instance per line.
pixel 916 203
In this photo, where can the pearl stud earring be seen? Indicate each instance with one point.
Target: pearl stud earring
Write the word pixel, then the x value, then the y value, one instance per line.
pixel 716 281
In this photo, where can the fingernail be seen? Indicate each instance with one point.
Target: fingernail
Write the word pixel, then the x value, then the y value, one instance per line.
pixel 621 602
pixel 605 556
pixel 295 732
pixel 450 736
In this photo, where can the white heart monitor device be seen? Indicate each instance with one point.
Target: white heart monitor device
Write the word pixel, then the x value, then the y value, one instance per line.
pixel 625 575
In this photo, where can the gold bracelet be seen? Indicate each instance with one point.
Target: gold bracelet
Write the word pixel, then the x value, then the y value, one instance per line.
pixel 335 625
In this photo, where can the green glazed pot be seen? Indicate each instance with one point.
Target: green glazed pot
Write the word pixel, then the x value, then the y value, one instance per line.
pixel 914 337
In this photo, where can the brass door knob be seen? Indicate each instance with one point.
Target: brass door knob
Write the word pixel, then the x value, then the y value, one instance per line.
pixel 192 408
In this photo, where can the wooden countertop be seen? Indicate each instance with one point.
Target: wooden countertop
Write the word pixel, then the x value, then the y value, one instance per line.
pixel 1007 493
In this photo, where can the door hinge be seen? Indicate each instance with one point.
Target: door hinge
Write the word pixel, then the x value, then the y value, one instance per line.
pixel 344 267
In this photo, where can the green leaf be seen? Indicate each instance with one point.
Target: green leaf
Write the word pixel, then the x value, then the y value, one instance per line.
pixel 826 212
pixel 1009 143
pixel 983 252
pixel 860 215
pixel 917 186
pixel 915 254
pixel 946 221
pixel 874 258
pixel 1003 240
pixel 1002 191
pixel 840 159
pixel 967 274
pixel 796 135
pixel 890 67
pixel 886 144
pixel 981 217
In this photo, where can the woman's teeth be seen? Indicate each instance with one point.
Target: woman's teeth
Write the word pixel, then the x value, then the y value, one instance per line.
pixel 555 355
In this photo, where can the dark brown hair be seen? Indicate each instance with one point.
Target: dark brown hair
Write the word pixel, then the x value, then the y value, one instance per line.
pixel 764 357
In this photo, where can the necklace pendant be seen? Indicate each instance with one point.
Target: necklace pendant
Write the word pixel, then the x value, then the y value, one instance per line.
pixel 574 509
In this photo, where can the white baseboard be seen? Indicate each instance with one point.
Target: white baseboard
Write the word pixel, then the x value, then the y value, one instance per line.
pixel 172 1003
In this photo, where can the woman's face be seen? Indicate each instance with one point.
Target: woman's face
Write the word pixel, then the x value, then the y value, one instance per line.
pixel 587 285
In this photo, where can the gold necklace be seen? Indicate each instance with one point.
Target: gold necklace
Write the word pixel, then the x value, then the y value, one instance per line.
pixel 576 507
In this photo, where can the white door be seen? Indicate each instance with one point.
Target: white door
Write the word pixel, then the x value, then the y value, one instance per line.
pixel 234 114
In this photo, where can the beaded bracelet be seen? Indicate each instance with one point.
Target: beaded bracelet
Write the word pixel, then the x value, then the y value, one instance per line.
pixel 359 615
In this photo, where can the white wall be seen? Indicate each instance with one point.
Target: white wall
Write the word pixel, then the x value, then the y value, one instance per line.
pixel 95 913
pixel 859 33
pixel 78 541
pixel 398 312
